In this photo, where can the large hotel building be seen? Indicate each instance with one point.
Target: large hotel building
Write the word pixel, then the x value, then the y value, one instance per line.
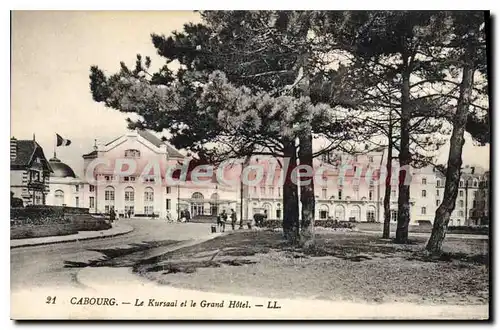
pixel 353 196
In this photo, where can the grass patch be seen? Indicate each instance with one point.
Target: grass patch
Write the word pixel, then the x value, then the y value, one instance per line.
pixel 340 266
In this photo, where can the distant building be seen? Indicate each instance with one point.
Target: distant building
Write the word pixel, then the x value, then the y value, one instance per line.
pixel 472 203
pixel 142 194
pixel 65 186
pixel 29 171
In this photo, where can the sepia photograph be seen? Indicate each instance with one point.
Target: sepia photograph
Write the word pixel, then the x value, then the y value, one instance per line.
pixel 250 165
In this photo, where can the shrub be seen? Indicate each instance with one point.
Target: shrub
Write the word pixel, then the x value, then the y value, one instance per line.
pixel 276 223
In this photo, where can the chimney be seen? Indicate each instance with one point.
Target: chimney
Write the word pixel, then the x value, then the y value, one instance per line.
pixel 13 148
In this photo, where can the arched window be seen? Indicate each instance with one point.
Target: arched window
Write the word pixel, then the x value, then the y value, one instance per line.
pixel 424 181
pixel 214 204
pixel 59 197
pixel 197 204
pixel 129 194
pixel 370 214
pixel 461 184
pixel 424 193
pixel 197 195
pixel 109 194
pixel 339 213
pixel 149 198
pixel 355 213
pixel 129 201
pixel 267 209
pixel 323 212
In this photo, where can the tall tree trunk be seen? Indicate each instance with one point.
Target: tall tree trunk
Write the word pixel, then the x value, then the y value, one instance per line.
pixel 387 195
pixel 290 196
pixel 453 170
pixel 307 197
pixel 404 160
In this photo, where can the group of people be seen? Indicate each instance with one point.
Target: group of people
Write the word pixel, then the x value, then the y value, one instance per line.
pixel 222 219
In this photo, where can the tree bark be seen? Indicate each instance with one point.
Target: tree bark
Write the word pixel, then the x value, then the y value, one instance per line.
pixel 404 159
pixel 453 170
pixel 290 195
pixel 387 195
pixel 307 197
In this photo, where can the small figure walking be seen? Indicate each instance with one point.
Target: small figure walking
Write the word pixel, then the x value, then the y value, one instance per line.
pixel 233 219
pixel 129 213
pixel 112 215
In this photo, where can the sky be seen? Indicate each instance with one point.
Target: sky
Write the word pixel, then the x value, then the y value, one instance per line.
pixel 51 55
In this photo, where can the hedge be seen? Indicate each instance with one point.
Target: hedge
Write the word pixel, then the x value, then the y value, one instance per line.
pixel 31 231
pixel 277 223
pixel 479 230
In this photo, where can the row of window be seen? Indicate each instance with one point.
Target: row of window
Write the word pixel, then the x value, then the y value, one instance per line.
pixel 461 184
pixel 331 157
pixel 92 189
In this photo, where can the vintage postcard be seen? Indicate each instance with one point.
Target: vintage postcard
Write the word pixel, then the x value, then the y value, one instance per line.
pixel 189 165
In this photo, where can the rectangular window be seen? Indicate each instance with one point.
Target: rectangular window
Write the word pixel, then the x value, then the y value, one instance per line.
pixel 323 214
pixel 393 193
pixel 278 214
pixel 323 193
pixel 77 202
pixel 169 190
pixel 148 209
pixel 461 203
pixel 91 202
pixel 132 178
pixel 279 192
pixel 437 192
pixel 262 190
pixel 438 183
pixel 424 193
pixel 271 191
pixel 255 190
pixel 461 193
pixel 91 188
pixel 77 188
pixel 423 210
pixel 340 194
pixel 370 159
pixel 461 213
pixel 168 202
pixel 370 195
pixel 474 204
pixel 424 181
pixel 126 178
pixel 438 202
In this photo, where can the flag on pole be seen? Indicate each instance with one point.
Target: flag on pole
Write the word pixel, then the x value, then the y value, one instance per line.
pixel 61 141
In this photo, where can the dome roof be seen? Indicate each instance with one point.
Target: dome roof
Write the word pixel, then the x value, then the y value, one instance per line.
pixel 60 169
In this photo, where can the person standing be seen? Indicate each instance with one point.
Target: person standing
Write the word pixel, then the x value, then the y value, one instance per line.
pixel 233 219
pixel 223 219
pixel 112 215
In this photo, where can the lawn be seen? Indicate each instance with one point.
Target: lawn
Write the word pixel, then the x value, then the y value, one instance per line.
pixel 349 266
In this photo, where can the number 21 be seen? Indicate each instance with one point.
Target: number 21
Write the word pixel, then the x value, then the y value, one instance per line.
pixel 51 300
